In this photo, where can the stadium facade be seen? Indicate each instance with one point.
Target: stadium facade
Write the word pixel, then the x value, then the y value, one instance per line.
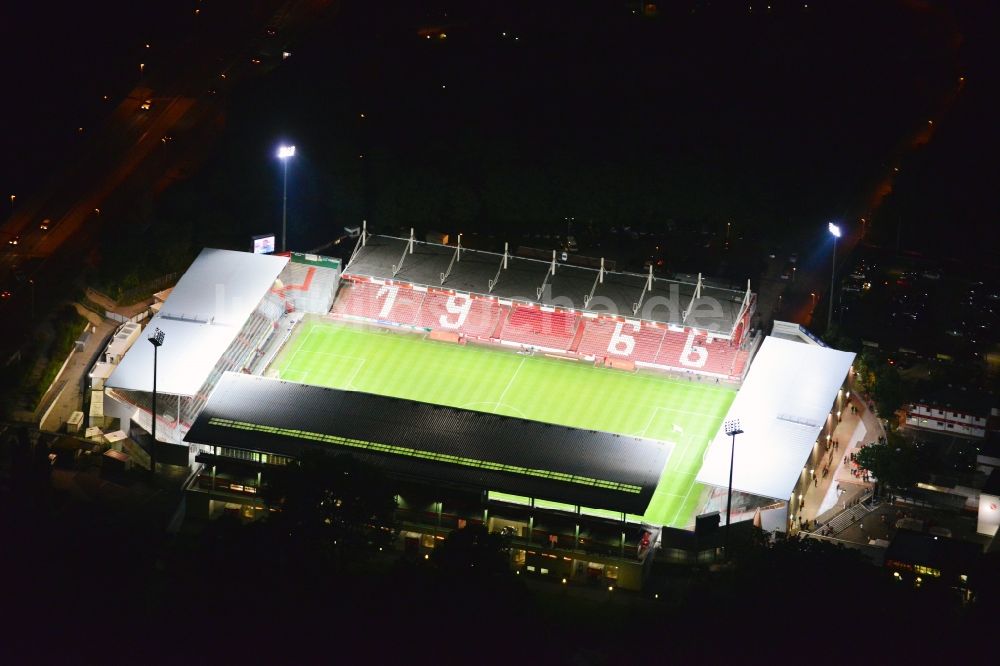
pixel 572 498
pixel 226 313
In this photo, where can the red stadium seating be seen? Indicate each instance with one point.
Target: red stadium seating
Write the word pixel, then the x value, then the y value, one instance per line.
pixel 504 314
pixel 673 348
pixel 620 339
pixel 691 350
pixel 742 357
pixel 475 317
pixel 531 325
pixel 398 304
pixel 603 337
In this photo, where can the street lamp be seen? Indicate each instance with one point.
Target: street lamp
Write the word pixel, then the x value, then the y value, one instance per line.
pixel 284 153
pixel 156 339
pixel 732 427
pixel 835 232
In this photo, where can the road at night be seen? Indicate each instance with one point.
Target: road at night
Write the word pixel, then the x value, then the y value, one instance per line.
pixel 137 149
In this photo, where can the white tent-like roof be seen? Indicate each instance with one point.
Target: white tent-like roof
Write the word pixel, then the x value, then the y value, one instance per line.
pixel 782 407
pixel 200 319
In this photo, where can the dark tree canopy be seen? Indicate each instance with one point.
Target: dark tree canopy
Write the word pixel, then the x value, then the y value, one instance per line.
pixel 334 499
pixel 898 464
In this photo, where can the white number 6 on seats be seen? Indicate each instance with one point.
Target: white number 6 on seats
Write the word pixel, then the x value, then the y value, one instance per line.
pixel 700 353
pixel 621 343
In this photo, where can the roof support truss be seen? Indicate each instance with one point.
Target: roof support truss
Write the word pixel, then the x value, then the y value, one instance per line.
pixel 747 300
pixel 642 295
pixel 597 280
pixel 408 250
pixel 360 244
pixel 694 297
pixel 552 271
pixel 503 267
pixel 454 258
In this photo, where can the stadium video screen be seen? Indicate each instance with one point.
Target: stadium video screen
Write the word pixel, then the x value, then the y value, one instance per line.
pixel 263 244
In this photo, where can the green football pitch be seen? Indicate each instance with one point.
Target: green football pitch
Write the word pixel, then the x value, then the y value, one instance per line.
pixel 683 412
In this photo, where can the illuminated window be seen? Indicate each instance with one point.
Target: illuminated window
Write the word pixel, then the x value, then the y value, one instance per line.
pixel 927 571
pixel 427 540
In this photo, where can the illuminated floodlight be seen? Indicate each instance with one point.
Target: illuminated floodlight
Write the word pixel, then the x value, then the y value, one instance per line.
pixel 834 229
pixel 157 338
pixel 285 152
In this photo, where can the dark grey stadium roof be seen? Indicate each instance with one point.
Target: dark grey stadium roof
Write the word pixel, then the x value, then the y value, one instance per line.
pixel 434 443
pixel 523 277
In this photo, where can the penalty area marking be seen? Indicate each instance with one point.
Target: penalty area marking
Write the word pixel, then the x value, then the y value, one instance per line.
pixel 301 346
pixel 680 506
pixel 510 382
pixel 350 381
pixel 657 410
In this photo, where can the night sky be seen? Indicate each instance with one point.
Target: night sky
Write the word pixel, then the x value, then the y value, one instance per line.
pixel 776 120
pixel 59 63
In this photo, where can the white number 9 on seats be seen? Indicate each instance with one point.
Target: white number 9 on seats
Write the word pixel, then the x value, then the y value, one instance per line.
pixel 456 308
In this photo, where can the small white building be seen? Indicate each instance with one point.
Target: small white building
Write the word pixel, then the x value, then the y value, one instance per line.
pixel 120 343
pixel 953 410
pixel 989 506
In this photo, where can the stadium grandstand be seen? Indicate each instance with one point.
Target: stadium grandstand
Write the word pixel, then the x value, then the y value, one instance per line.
pixel 225 314
pixel 788 407
pixel 467 448
pixel 513 426
pixel 625 320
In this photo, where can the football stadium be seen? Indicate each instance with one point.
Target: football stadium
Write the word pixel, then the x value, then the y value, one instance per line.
pixel 576 407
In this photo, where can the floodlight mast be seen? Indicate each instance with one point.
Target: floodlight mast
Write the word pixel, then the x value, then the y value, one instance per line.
pixel 284 154
pixel 835 232
pixel 156 339
pixel 732 428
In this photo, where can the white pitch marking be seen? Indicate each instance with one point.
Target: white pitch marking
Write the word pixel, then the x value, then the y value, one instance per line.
pixel 291 361
pixel 509 383
pixel 681 505
pixel 350 382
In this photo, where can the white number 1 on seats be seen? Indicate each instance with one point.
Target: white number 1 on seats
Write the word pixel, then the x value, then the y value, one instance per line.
pixel 389 291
